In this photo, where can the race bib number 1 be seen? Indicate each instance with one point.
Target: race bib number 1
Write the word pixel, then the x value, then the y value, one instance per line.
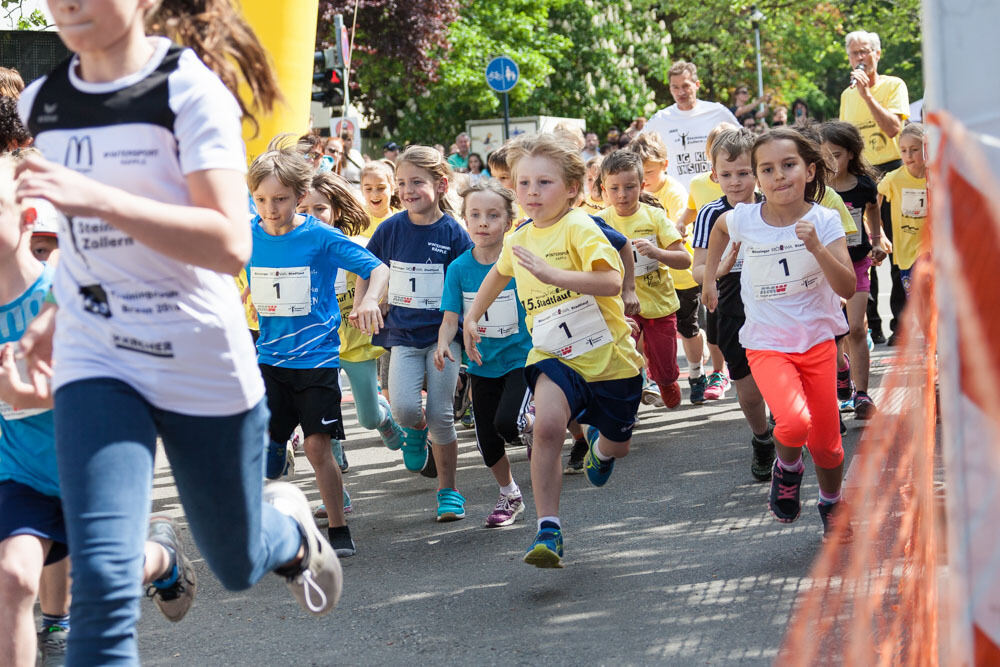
pixel 284 292
pixel 781 270
pixel 644 265
pixel 416 285
pixel 571 329
pixel 500 319
pixel 913 202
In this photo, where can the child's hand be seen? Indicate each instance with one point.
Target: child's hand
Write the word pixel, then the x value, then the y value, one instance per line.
pixel 729 261
pixel 534 264
pixel 682 230
pixel 367 317
pixel 644 247
pixel 631 300
pixel 471 337
pixel 806 232
pixel 440 354
pixel 14 390
pixel 634 326
pixel 69 191
pixel 36 342
pixel 710 296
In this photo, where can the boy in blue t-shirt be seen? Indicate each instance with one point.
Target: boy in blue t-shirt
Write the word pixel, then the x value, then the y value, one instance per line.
pixel 292 274
pixel 500 394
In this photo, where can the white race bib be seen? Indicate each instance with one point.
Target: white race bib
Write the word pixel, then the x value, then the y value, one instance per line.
pixel 913 202
pixel 416 285
pixel 500 319
pixel 284 292
pixel 644 265
pixel 738 264
pixel 781 270
pixel 340 283
pixel 571 329
pixel 854 238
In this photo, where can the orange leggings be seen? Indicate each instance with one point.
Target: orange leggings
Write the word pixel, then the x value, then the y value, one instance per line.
pixel 801 390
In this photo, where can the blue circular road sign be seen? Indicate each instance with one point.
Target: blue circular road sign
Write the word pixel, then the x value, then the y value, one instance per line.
pixel 502 74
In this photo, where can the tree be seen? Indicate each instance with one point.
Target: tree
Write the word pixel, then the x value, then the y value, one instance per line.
pixel 33 20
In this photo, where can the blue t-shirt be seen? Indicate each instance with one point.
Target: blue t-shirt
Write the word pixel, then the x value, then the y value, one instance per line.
pixel 418 256
pixel 615 238
pixel 505 341
pixel 27 437
pixel 293 286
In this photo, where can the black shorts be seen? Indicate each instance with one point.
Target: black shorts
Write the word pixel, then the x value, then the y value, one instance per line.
pixel 729 343
pixel 712 327
pixel 687 314
pixel 306 396
pixel 24 511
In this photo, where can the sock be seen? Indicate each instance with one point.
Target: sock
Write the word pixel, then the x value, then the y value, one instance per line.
pixel 601 456
pixel 825 499
pixel 796 467
pixel 511 489
pixel 549 522
pixel 52 620
pixel 694 369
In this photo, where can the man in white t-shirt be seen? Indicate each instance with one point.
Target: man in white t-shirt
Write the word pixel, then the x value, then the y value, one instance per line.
pixel 590 147
pixel 684 125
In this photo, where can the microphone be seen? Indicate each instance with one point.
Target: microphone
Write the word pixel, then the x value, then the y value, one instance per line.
pixel 859 66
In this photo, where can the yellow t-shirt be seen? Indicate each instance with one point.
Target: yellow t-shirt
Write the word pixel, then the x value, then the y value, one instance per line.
pixel 832 200
pixel 908 197
pixel 574 243
pixel 248 308
pixel 673 197
pixel 375 222
pixel 653 284
pixel 355 345
pixel 890 93
pixel 702 190
pixel 592 207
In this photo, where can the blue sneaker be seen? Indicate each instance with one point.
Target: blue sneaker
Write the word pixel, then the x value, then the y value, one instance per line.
pixel 451 505
pixel 339 455
pixel 389 430
pixel 598 471
pixel 547 549
pixel 414 448
pixel 280 461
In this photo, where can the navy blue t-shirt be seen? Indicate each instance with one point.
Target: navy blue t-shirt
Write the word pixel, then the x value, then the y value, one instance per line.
pixel 615 238
pixel 418 257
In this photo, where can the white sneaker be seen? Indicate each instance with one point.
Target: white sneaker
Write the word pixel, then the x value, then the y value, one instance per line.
pixel 317 585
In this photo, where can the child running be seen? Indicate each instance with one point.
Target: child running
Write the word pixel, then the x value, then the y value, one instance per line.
pixel 906 191
pixel 656 242
pixel 854 180
pixel 593 203
pixel 379 192
pixel 583 364
pixel 418 245
pixel 499 393
pixel 796 268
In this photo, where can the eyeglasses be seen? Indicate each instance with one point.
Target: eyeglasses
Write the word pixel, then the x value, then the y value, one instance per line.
pixel 860 53
pixel 313 155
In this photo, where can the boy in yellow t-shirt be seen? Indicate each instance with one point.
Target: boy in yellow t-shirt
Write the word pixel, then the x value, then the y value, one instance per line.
pixel 500 170
pixel 655 241
pixel 906 191
pixel 583 363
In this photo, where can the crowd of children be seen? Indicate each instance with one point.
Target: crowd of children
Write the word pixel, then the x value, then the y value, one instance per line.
pixel 564 287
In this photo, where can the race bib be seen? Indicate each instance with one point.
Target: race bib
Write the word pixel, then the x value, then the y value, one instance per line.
pixel 340 283
pixel 738 264
pixel 854 238
pixel 781 270
pixel 416 285
pixel 644 265
pixel 913 202
pixel 284 292
pixel 571 329
pixel 500 319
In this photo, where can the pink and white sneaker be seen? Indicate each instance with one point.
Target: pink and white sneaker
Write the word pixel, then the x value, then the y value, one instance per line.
pixel 506 511
pixel 718 385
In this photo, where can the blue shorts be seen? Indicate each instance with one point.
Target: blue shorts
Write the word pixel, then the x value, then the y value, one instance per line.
pixel 609 406
pixel 24 511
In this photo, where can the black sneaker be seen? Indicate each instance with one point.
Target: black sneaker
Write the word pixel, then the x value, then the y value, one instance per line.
pixel 763 458
pixel 843 426
pixel 893 340
pixel 698 386
pixel 784 499
pixel 574 465
pixel 175 600
pixel 340 540
pixel 844 386
pixel 430 468
pixel 877 336
pixel 832 514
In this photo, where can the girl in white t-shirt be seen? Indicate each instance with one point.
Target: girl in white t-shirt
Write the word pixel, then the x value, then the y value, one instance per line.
pixel 796 268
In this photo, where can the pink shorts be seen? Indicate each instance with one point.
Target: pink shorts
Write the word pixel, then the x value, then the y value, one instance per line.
pixel 861 268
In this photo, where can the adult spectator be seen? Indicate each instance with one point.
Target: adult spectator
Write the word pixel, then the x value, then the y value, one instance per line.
pixel 390 152
pixel 779 117
pixel 800 112
pixel 591 147
pixel 334 150
pixel 685 124
pixel 353 160
pixel 743 106
pixel 459 160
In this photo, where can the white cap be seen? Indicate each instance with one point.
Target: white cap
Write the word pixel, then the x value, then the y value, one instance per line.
pixel 47 219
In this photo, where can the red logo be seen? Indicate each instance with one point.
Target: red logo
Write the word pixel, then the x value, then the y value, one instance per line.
pixel 407 299
pixel 565 351
pixel 481 329
pixel 780 288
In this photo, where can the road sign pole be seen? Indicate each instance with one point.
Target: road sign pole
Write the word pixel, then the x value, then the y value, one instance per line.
pixel 502 74
pixel 506 117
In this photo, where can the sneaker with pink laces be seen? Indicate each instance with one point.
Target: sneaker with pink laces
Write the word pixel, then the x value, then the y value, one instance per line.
pixel 506 511
pixel 718 385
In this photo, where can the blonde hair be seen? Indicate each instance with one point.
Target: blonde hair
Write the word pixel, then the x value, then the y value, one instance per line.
pixel 734 143
pixel 570 133
pixel 714 134
pixel 350 216
pixel 430 160
pixel 290 168
pixel 649 147
pixel 571 167
pixel 913 130
pixel 490 185
pixel 281 141
pixel 11 83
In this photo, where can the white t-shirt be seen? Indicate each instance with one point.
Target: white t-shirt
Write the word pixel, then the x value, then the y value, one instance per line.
pixel 352 169
pixel 685 133
pixel 174 332
pixel 789 305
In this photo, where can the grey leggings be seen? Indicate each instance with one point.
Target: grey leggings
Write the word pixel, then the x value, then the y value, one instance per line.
pixel 407 368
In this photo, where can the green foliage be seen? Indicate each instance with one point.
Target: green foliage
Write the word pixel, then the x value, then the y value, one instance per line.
pixel 34 20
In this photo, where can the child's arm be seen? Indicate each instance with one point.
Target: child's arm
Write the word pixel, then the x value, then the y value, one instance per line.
pixel 675 256
pixel 598 282
pixel 366 314
pixel 873 225
pixel 629 297
pixel 493 284
pixel 833 259
pixel 687 217
pixel 886 243
pixel 17 393
pixel 446 334
pixel 717 242
pixel 725 266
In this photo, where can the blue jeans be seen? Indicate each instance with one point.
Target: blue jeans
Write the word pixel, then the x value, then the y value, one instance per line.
pixel 105 444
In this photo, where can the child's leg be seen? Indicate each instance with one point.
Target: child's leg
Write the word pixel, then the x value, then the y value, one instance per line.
pixel 363 376
pixel 328 478
pixel 661 356
pixel 857 340
pixel 441 413
pixel 816 368
pixel 718 361
pixel 21 561
pixel 552 413
pixel 53 591
pixel 752 404
pixel 777 377
pixel 406 381
pixel 486 394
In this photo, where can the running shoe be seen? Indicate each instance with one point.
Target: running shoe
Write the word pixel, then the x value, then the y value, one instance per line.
pixel 321 516
pixel 507 509
pixel 598 471
pixel 864 407
pixel 175 595
pixel 430 468
pixel 671 396
pixel 414 448
pixel 297 437
pixel 876 336
pixel 389 430
pixel 339 454
pixel 847 406
pixel 52 646
pixel 698 386
pixel 844 388
pixel 468 420
pixel 276 460
pixel 718 385
pixel 869 341
pixel 316 582
pixel 763 458
pixel 547 549
pixel 527 434
pixel 832 514
pixel 784 499
pixel 451 505
pixel 893 340
pixel 843 427
pixel 574 464
pixel 651 395
pixel 341 541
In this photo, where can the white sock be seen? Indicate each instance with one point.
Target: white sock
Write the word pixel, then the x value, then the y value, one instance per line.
pixel 511 489
pixel 694 369
pixel 601 456
pixel 553 519
pixel 829 500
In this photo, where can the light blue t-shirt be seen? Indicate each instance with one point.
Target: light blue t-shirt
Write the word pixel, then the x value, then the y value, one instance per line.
pixel 27 437
pixel 293 285
pixel 505 341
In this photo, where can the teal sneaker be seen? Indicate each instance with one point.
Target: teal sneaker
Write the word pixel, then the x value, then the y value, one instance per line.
pixel 547 549
pixel 339 455
pixel 598 471
pixel 451 505
pixel 414 448
pixel 389 430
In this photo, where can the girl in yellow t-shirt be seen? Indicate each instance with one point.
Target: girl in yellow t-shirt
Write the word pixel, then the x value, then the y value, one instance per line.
pixel 906 191
pixel 593 202
pixel 379 191
pixel 583 362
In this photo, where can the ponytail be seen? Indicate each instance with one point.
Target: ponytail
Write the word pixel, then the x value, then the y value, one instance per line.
pixel 220 36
